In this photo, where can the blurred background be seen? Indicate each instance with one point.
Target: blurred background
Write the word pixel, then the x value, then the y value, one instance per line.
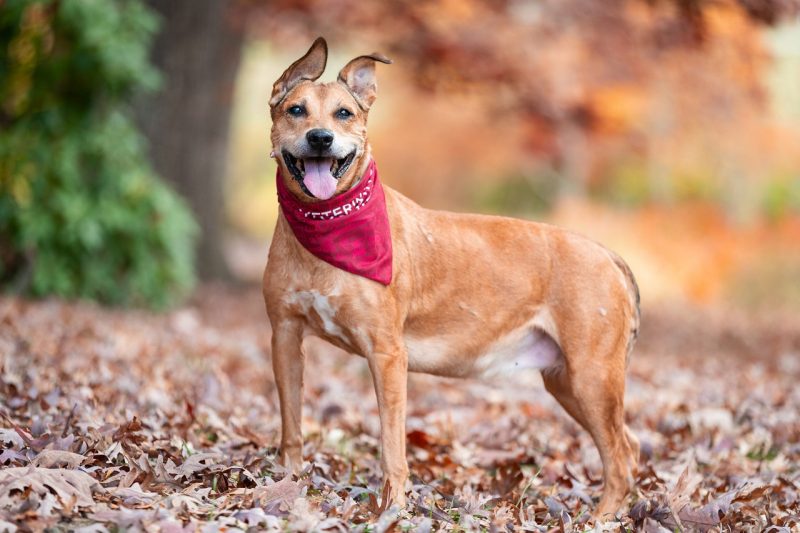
pixel 134 135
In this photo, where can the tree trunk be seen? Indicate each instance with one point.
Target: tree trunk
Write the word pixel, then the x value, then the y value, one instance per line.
pixel 197 50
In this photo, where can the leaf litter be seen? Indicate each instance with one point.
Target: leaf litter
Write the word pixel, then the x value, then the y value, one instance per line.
pixel 125 419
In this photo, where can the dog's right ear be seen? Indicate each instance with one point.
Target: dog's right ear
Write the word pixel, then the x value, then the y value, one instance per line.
pixel 309 67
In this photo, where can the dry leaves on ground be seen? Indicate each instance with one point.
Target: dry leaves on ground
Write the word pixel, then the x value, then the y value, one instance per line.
pixel 124 419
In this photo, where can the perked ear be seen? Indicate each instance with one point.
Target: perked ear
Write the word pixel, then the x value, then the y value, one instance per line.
pixel 309 67
pixel 359 78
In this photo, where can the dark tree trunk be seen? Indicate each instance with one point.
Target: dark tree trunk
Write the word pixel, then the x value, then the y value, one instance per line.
pixel 197 50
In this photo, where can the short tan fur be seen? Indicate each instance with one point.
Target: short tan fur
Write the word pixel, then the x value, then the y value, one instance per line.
pixel 471 296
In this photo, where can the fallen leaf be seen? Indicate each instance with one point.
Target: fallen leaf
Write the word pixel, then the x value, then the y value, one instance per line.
pixel 272 496
pixel 58 458
pixel 67 484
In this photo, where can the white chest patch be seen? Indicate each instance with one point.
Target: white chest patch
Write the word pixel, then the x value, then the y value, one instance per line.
pixel 322 306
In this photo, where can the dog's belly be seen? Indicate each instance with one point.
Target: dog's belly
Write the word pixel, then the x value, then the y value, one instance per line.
pixel 526 348
pixel 529 349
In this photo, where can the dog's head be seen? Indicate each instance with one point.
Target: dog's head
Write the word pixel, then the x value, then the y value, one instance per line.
pixel 319 130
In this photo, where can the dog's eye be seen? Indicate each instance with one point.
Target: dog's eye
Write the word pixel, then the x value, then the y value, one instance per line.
pixel 344 113
pixel 296 110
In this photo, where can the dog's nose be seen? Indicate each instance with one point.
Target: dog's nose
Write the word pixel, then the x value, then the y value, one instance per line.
pixel 319 138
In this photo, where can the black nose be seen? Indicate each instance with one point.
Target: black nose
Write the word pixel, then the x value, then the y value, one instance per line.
pixel 319 138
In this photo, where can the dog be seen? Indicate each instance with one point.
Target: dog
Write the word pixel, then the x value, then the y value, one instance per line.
pixel 458 295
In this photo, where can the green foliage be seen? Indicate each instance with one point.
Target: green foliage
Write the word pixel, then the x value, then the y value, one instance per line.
pixel 625 184
pixel 519 195
pixel 81 212
pixel 632 182
pixel 772 281
pixel 782 197
pixel 763 454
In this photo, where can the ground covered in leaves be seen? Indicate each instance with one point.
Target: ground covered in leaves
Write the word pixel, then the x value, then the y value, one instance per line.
pixel 169 422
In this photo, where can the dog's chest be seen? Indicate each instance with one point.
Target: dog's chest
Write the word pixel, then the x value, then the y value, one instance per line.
pixel 332 316
pixel 320 311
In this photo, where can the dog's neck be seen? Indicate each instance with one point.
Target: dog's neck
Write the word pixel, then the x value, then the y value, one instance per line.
pixel 360 192
pixel 350 230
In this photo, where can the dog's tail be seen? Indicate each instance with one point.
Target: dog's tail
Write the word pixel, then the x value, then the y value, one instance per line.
pixel 633 292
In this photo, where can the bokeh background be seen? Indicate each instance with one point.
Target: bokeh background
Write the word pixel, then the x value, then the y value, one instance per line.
pixel 135 171
pixel 668 130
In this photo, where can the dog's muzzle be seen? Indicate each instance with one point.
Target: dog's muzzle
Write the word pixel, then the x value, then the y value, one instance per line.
pixel 317 175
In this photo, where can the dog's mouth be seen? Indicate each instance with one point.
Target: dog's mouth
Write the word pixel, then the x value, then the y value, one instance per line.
pixel 318 176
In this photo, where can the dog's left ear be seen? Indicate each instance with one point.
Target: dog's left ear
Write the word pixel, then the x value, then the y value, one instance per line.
pixel 359 78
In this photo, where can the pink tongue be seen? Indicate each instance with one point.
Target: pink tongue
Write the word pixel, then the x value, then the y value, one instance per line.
pixel 318 178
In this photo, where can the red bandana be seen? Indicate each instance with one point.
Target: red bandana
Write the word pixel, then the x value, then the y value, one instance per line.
pixel 350 231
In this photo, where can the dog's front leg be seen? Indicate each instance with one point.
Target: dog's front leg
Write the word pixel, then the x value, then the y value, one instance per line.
pixel 287 363
pixel 389 367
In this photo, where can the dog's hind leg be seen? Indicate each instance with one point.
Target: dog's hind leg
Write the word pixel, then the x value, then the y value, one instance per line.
pixel 287 363
pixel 592 392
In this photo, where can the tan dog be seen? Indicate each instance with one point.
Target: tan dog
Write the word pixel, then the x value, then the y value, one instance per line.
pixel 471 295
